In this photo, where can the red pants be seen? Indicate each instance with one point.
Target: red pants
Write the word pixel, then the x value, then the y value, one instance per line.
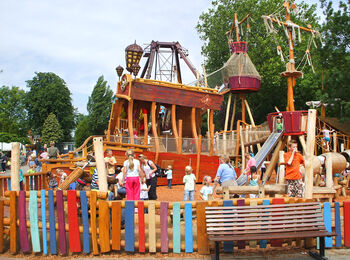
pixel 133 188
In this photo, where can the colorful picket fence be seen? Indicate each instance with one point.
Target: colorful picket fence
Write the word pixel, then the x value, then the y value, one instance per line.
pixel 66 222
pixel 32 181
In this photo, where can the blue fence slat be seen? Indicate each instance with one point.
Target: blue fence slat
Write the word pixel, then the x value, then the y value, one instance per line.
pixel 129 226
pixel 85 217
pixel 328 223
pixel 338 238
pixel 263 243
pixel 188 228
pixel 53 246
pixel 228 245
pixel 43 219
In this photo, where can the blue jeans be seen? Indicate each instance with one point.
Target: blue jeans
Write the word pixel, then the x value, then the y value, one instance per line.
pixel 169 183
pixel 189 195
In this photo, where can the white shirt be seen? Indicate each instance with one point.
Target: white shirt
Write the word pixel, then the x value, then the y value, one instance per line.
pixel 135 171
pixel 144 193
pixel 148 170
pixel 63 177
pixel 119 177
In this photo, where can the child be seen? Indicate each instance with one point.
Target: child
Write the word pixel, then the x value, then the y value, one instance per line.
pixel 254 178
pixel 111 192
pixel 169 176
pixel 189 180
pixel 62 175
pixel 206 189
pixel 144 189
pixel 32 169
pixel 279 125
pixel 51 179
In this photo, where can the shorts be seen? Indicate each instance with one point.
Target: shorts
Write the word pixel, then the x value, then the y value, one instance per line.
pixel 295 188
pixel 327 139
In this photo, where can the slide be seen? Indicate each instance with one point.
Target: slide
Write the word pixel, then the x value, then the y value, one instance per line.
pixel 267 148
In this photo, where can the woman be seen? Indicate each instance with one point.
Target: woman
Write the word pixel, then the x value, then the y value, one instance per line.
pixel 149 169
pixel 245 176
pixel 132 171
pixel 225 175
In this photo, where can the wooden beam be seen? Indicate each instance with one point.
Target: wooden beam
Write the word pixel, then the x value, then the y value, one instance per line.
pixel 303 143
pixel 242 149
pixel 154 130
pixel 193 125
pixel 180 136
pixel 310 144
pixel 100 164
pixel 226 121
pixel 282 170
pixel 233 113
pixel 15 166
pixel 145 132
pixel 211 131
pixel 199 145
pixel 335 142
pixel 130 119
pixel 329 171
pixel 274 159
pixel 174 127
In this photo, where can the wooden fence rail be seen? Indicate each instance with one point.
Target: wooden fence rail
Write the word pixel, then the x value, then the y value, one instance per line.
pixel 65 222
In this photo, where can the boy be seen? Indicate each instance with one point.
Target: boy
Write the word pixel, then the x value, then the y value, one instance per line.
pixel 293 159
pixel 169 176
pixel 189 180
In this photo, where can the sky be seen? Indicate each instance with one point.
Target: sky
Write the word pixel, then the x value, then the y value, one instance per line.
pixel 80 40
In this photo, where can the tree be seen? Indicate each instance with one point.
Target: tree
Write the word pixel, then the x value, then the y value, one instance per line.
pixel 82 132
pixel 335 56
pixel 48 93
pixel 99 107
pixel 13 115
pixel 217 20
pixel 52 130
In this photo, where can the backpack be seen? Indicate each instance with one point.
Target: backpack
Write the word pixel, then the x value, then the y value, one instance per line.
pixel 159 171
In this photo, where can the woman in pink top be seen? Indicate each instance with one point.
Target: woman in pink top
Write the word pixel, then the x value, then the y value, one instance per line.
pixel 251 162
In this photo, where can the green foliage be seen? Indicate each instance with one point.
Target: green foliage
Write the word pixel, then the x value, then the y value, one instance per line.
pixel 8 138
pixel 52 130
pixel 217 20
pixel 48 93
pixel 82 132
pixel 12 111
pixel 99 107
pixel 336 58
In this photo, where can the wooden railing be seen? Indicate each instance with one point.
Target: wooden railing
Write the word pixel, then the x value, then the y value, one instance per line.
pixel 168 227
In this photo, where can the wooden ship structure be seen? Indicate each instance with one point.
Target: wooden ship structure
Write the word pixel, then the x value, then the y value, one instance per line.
pixel 161 117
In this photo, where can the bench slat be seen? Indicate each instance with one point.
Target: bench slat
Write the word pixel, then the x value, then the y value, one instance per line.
pixel 294 213
pixel 218 220
pixel 266 206
pixel 232 211
pixel 264 222
pixel 271 236
pixel 263 231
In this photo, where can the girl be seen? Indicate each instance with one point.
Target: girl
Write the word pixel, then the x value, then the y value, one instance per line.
pixel 51 179
pixel 144 190
pixel 132 171
pixel 149 168
pixel 189 180
pixel 206 189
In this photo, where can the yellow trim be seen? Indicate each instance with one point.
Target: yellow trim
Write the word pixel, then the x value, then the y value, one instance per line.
pixel 123 96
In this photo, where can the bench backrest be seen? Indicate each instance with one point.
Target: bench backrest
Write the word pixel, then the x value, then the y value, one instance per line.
pixel 260 219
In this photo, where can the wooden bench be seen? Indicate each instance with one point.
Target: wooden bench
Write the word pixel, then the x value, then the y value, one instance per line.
pixel 266 222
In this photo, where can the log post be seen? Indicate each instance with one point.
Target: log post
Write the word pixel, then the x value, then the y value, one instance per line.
pixel 100 164
pixel 310 143
pixel 198 156
pixel 226 121
pixel 335 142
pixel 282 168
pixel 211 131
pixel 252 122
pixel 145 132
pixel 130 126
pixel 154 130
pixel 174 127
pixel 273 160
pixel 233 113
pixel 303 143
pixel 15 167
pixel 329 172
pixel 180 136
pixel 242 149
pixel 194 125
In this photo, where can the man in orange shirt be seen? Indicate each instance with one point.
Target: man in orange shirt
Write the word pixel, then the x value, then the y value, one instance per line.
pixel 293 159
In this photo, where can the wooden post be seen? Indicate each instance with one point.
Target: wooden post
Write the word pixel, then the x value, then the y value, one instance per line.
pixel 145 132
pixel 154 130
pixel 237 143
pixel 130 126
pixel 242 149
pixel 194 125
pixel 15 167
pixel 335 142
pixel 243 107
pixel 310 143
pixel 211 131
pixel 302 142
pixel 100 164
pixel 329 172
pixel 252 122
pixel 273 160
pixel 282 168
pixel 233 113
pixel 226 121
pixel 173 126
pixel 199 146
pixel 180 136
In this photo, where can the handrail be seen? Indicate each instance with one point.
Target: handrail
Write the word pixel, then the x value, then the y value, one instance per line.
pixel 83 145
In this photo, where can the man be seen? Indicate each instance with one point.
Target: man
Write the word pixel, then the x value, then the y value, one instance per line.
pixel 111 162
pixel 53 151
pixel 292 160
